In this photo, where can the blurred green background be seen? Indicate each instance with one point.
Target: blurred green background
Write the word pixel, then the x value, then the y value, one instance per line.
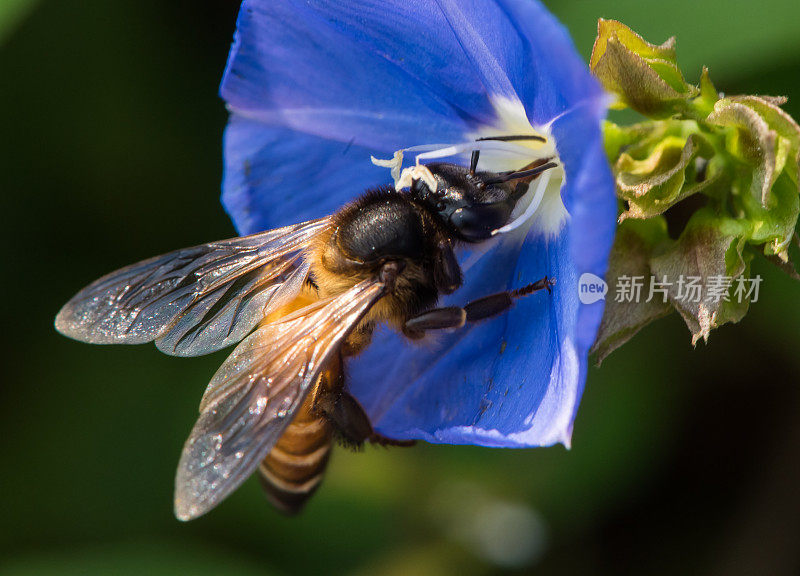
pixel 683 461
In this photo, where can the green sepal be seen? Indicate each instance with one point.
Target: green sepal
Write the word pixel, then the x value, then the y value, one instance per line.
pixel 733 310
pixel 785 127
pixel 630 257
pixel 704 103
pixel 788 261
pixel 616 137
pixel 750 140
pixel 710 247
pixel 668 174
pixel 773 225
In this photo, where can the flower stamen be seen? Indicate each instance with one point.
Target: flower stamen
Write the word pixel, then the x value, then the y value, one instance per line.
pixel 531 208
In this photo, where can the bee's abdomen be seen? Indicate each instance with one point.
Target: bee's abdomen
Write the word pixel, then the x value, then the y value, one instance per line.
pixel 294 468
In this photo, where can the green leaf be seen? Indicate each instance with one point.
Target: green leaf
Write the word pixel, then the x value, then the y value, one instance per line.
pixel 629 260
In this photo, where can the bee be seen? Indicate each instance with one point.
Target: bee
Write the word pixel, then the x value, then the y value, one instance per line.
pixel 300 300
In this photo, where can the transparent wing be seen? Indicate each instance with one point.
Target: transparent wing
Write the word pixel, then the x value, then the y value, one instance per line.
pixel 253 396
pixel 196 300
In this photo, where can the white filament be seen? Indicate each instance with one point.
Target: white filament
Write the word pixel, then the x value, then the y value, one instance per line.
pixel 436 151
pixel 403 178
pixel 541 207
pixel 533 206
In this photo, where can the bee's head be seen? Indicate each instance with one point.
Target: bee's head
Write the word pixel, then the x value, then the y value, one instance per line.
pixel 473 204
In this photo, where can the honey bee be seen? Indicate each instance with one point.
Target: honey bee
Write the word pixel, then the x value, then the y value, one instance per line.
pixel 299 300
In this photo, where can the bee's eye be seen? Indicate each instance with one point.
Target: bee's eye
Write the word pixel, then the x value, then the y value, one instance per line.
pixel 476 223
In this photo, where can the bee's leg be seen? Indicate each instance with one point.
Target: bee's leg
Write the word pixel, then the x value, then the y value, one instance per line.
pixel 351 423
pixel 480 309
pixel 357 423
pixel 436 319
pixel 447 272
pixel 382 440
pixel 490 306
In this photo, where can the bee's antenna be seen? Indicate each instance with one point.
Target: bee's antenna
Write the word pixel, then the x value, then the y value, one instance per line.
pixel 515 175
pixel 473 162
pixel 513 138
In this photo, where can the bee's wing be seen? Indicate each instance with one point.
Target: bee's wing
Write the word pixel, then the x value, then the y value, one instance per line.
pixel 196 300
pixel 255 393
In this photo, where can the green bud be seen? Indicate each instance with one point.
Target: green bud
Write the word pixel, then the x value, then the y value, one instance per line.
pixel 740 153
pixel 643 76
pixel 766 143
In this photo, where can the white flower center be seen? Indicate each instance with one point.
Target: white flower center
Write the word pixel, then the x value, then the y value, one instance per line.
pixel 541 209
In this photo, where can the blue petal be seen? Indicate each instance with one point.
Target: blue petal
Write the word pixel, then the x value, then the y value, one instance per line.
pixel 393 74
pixel 314 83
pixel 423 53
pixel 276 176
pixel 291 66
pixel 549 76
pixel 520 51
pixel 590 199
pixel 516 380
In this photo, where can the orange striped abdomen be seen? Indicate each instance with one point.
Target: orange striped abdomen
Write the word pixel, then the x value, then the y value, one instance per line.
pixel 294 468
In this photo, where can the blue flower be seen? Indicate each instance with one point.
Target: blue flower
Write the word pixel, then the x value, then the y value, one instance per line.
pixel 316 87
